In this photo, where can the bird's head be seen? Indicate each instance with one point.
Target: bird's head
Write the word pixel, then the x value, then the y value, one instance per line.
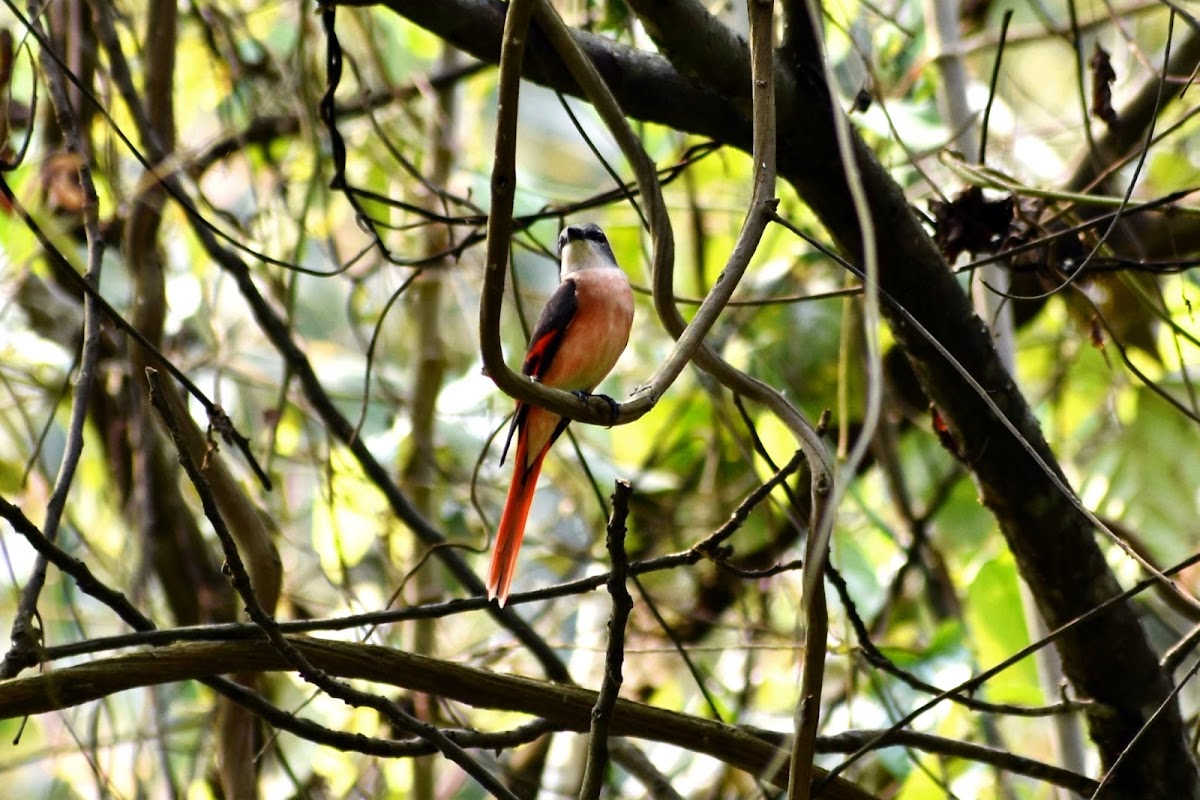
pixel 584 246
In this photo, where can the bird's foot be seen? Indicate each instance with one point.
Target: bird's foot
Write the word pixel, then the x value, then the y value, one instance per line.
pixel 614 408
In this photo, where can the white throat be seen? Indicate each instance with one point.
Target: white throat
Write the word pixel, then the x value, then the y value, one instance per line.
pixel 582 254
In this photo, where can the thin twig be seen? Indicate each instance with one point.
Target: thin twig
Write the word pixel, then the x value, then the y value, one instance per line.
pixel 987 109
pixel 710 544
pixel 877 659
pixel 610 687
pixel 25 639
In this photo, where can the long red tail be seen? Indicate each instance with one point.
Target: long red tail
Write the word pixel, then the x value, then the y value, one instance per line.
pixel 512 521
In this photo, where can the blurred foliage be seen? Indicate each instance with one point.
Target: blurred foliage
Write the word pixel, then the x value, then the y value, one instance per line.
pixel 1132 455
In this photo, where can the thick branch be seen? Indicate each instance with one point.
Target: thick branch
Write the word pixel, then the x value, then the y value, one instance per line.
pixel 567 706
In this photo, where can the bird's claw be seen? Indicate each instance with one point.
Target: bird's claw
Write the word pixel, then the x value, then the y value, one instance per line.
pixel 614 408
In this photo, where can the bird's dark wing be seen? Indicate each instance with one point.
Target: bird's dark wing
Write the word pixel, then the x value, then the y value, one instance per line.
pixel 550 329
pixel 548 334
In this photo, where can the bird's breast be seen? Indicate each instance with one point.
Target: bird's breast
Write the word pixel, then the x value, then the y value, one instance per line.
pixel 597 334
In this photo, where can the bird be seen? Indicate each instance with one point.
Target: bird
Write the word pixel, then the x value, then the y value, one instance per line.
pixel 580 334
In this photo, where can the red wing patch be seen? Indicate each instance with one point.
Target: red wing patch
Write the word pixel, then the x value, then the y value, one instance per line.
pixel 540 353
pixel 550 329
pixel 548 334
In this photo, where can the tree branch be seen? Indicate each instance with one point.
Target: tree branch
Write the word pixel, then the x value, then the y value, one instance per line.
pixel 752 750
